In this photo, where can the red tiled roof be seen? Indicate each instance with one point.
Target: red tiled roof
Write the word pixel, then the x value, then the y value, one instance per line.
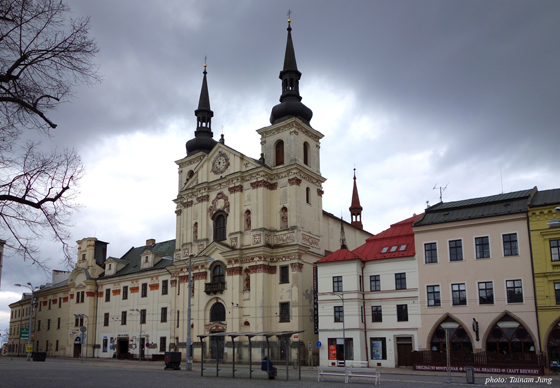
pixel 341 255
pixel 398 234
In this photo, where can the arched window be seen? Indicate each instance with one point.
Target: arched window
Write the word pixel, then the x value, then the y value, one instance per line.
pixel 218 275
pixel 279 153
pixel 219 227
pixel 509 336
pixel 217 312
pixel 306 153
pixel 458 337
pixel 307 195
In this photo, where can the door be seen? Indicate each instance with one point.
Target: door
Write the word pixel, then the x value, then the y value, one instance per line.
pixel 122 348
pixel 404 354
pixel 142 347
pixel 217 347
pixel 77 347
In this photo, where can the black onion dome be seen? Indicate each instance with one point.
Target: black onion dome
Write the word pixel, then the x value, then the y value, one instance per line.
pixel 203 137
pixel 290 100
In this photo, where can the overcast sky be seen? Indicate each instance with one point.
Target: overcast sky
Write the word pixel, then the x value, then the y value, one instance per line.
pixel 414 94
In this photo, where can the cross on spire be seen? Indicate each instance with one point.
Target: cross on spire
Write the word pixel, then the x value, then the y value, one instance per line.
pixel 289 13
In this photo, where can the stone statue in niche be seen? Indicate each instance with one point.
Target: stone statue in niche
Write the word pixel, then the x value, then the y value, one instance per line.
pixel 248 220
pixel 247 281
pixel 195 231
pixel 284 218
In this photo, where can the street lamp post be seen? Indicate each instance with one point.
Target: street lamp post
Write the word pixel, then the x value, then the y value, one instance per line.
pixel 343 328
pixel 30 286
pixel 140 336
pixel 189 290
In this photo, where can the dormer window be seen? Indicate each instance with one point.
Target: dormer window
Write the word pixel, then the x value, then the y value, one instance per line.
pixel 145 261
pixel 393 248
pixel 402 248
pixel 384 249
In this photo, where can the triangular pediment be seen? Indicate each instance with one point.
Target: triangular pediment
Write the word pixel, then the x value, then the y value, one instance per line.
pixel 220 162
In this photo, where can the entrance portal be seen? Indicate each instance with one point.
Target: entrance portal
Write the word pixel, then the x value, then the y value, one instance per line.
pixel 404 351
pixel 122 348
pixel 553 345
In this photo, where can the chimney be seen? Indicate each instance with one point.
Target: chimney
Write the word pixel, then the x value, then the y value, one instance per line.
pixel 150 241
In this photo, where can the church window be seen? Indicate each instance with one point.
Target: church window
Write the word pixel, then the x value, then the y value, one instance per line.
pixel 308 195
pixel 217 312
pixel 220 227
pixel 306 153
pixel 284 274
pixel 284 311
pixel 218 274
pixel 279 153
pixel 291 84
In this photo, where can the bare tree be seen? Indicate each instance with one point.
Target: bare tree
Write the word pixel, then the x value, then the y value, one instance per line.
pixel 44 53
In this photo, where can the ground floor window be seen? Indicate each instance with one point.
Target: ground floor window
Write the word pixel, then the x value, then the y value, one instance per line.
pixel 105 345
pixel 458 337
pixel 378 349
pixel 162 343
pixel 336 349
pixel 509 336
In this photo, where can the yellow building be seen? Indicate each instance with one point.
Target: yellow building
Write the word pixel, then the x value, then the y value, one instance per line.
pixel 544 226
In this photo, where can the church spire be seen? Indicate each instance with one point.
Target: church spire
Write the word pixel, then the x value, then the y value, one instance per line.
pixel 355 208
pixel 203 137
pixel 290 100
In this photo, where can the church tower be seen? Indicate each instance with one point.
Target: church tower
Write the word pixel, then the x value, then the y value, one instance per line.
pixel 203 137
pixel 355 207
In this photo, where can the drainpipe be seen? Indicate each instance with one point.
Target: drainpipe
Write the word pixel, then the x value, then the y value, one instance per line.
pixel 364 307
pixel 534 287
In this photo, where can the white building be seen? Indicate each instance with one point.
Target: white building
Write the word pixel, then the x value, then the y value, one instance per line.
pixel 380 313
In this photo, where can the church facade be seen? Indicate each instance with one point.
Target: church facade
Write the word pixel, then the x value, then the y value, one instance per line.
pixel 252 228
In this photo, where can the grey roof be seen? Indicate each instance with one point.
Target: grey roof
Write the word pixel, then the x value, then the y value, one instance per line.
pixel 491 206
pixel 546 198
pixel 166 248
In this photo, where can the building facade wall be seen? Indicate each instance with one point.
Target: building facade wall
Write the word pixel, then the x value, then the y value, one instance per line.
pixel 470 271
pixel 547 275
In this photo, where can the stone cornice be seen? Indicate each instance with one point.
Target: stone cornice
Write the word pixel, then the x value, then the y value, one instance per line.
pixel 290 125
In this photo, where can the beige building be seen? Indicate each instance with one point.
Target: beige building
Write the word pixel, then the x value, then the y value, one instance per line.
pixel 474 266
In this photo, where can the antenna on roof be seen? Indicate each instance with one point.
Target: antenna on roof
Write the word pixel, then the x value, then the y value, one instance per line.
pixel 501 178
pixel 441 190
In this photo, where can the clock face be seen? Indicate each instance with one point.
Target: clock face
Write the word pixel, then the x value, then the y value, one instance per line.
pixel 220 163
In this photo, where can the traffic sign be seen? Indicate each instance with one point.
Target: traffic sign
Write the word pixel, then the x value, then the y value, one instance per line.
pixel 318 344
pixel 83 329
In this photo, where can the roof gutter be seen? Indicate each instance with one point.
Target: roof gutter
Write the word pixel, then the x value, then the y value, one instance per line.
pixel 364 314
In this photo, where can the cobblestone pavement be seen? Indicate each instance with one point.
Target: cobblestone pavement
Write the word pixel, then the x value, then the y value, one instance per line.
pixel 100 373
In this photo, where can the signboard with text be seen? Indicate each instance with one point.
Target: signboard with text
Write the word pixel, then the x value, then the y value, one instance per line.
pixel 24 333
